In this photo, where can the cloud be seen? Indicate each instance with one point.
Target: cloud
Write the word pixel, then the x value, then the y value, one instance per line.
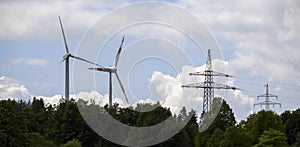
pixel 38 19
pixel 30 61
pixel 98 98
pixel 262 40
pixel 35 19
pixel 175 97
pixel 13 89
pixel 89 96
pixel 259 31
pixel 169 88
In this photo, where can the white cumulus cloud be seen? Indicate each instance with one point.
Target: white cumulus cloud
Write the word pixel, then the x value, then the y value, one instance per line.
pixel 13 89
pixel 175 97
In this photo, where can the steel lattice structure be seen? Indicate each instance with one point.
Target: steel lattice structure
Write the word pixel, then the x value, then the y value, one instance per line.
pixel 267 101
pixel 208 85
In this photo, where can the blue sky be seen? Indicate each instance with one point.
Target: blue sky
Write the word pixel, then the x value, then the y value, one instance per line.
pixel 258 39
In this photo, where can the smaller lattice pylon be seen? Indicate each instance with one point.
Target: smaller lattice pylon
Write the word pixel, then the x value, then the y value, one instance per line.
pixel 267 97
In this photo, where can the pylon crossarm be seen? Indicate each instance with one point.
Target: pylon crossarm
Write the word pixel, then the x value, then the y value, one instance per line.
pixel 210 73
pixel 267 103
pixel 272 95
pixel 265 95
pixel 277 104
pixel 210 85
pixel 190 85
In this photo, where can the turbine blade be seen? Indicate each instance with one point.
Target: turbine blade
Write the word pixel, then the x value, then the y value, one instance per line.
pixel 64 36
pixel 53 68
pixel 118 53
pixel 85 60
pixel 100 69
pixel 122 87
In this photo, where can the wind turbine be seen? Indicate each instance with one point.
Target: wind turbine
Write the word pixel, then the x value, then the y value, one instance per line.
pixel 113 70
pixel 66 58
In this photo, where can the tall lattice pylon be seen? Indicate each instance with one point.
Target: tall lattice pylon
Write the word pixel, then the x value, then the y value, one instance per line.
pixel 208 85
pixel 267 101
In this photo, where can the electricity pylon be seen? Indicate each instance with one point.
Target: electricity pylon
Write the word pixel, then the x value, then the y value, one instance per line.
pixel 208 85
pixel 267 101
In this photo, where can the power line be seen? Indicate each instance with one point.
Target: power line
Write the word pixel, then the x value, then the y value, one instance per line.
pixel 282 85
pixel 253 54
pixel 285 86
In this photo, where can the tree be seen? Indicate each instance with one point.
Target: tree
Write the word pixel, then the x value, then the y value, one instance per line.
pixel 37 104
pixel 72 143
pixel 297 143
pixel 236 136
pixel 182 116
pixel 190 131
pixel 70 125
pixel 292 125
pixel 37 140
pixel 264 120
pixel 153 117
pixel 186 136
pixel 225 117
pixel 36 124
pixel 272 138
pixel 223 120
pixel 13 129
pixel 216 138
pixel 285 116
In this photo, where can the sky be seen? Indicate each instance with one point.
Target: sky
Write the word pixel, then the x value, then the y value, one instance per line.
pixel 256 41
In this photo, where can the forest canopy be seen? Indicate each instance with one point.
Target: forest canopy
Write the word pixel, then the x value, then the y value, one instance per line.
pixel 36 124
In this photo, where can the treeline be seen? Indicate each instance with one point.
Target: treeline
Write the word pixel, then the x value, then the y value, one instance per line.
pixel 36 124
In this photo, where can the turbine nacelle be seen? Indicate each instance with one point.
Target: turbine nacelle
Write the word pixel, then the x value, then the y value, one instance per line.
pixel 67 55
pixel 113 69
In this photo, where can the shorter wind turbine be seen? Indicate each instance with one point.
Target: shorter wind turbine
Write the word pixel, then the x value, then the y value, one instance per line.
pixel 111 70
pixel 66 58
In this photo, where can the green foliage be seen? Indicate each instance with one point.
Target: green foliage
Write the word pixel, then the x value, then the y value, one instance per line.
pixel 216 137
pixel 224 119
pixel 72 143
pixel 292 125
pixel 12 125
pixel 69 125
pixel 34 124
pixel 37 140
pixel 187 135
pixel 256 124
pixel 37 104
pixel 272 138
pixel 236 136
pixel 297 143
pixel 153 117
pixel 225 116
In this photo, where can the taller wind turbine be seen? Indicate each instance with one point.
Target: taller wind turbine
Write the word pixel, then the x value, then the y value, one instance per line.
pixel 111 70
pixel 66 58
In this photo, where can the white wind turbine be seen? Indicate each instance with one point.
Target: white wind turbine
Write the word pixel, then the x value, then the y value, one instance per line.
pixel 66 58
pixel 111 70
